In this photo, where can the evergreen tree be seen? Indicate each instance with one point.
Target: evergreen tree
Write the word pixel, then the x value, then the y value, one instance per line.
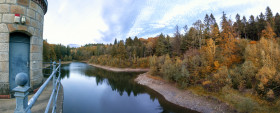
pixel 277 24
pixel 269 17
pixel 160 47
pixel 176 42
pixel 260 24
pixel 129 41
pixel 244 27
pixel 251 29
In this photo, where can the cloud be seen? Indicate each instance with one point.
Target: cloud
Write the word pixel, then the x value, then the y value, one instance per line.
pixel 101 21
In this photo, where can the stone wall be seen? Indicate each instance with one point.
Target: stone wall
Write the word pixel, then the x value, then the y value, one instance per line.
pixel 34 11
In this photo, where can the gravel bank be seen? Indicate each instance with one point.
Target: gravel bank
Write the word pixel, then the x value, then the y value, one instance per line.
pixel 183 98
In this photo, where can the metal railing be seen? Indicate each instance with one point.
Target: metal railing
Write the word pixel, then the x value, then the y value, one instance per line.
pixel 21 91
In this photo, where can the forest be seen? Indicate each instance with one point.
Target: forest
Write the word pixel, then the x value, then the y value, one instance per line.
pixel 237 61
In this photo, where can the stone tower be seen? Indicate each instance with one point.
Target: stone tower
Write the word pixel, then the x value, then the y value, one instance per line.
pixel 21 42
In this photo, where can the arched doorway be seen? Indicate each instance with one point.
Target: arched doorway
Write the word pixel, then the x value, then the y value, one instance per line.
pixel 19 51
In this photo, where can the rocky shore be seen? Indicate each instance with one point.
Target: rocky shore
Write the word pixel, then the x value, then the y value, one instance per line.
pixel 183 98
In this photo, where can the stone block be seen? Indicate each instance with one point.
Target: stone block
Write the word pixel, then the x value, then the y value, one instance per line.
pixel 40 41
pixel 23 2
pixel 31 30
pixel 31 13
pixel 4 37
pixel 11 1
pixel 34 40
pixel 8 18
pixel 4 89
pixel 38 17
pixel 22 27
pixel 4 56
pixel 27 21
pixel 4 77
pixel 0 18
pixel 12 27
pixel 40 10
pixel 4 67
pixel 33 5
pixel 2 1
pixel 34 23
pixel 35 65
pixel 35 49
pixel 36 56
pixel 4 8
pixel 4 47
pixel 18 9
pixel 3 28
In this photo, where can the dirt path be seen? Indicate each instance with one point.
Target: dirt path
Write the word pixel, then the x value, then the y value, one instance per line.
pixel 119 69
pixel 183 98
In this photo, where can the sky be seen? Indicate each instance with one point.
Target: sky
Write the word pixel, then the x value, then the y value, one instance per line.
pixel 102 21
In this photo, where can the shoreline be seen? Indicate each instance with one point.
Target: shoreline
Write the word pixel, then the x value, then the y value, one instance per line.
pixel 114 69
pixel 171 93
pixel 183 98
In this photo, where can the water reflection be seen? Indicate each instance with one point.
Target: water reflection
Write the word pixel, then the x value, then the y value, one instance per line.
pixel 93 90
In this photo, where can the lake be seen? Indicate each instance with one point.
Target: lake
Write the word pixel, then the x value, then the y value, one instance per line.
pixel 92 90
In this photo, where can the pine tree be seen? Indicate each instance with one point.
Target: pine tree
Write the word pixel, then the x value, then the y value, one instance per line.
pixel 244 27
pixel 251 29
pixel 176 42
pixel 277 24
pixel 160 47
pixel 260 24
pixel 269 17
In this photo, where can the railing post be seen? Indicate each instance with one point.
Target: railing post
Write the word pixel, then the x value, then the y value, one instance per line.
pixel 54 83
pixel 21 93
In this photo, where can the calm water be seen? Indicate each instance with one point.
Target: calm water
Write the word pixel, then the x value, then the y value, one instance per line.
pixel 92 90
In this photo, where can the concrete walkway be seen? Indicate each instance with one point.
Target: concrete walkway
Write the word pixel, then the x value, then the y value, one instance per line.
pixel 9 105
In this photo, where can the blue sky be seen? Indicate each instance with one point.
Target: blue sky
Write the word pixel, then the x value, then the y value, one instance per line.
pixel 101 21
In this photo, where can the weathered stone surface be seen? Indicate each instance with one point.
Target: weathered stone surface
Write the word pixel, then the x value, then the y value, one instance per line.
pixel 4 88
pixel 4 67
pixel 31 13
pixel 18 9
pixel 2 1
pixel 35 49
pixel 11 1
pixel 8 18
pixel 4 78
pixel 34 40
pixel 27 21
pixel 23 2
pixel 4 8
pixel 40 10
pixel 34 74
pixel 4 47
pixel 4 56
pixel 33 5
pixel 22 27
pixel 40 43
pixel 0 18
pixel 35 65
pixel 12 27
pixel 34 23
pixel 36 56
pixel 4 37
pixel 31 30
pixel 3 28
pixel 38 17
